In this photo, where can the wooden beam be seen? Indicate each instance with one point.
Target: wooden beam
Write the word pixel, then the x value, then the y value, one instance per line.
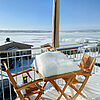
pixel 25 71
pixel 32 83
pixel 55 23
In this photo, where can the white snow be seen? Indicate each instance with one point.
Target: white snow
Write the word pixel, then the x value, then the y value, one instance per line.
pixel 54 63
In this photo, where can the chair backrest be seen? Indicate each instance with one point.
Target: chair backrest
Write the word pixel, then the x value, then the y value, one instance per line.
pixel 10 76
pixel 87 63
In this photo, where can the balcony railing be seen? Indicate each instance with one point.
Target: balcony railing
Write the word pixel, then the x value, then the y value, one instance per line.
pixel 19 60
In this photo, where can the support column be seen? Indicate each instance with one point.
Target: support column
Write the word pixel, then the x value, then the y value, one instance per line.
pixel 55 23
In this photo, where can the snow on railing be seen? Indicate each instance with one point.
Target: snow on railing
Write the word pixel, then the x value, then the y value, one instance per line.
pixel 19 60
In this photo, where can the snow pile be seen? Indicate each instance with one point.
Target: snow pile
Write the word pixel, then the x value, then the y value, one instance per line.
pixel 54 63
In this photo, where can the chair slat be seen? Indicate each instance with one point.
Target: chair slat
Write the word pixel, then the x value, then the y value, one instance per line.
pixel 25 71
pixel 28 84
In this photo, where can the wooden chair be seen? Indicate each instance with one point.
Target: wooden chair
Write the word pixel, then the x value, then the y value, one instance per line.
pixel 70 79
pixel 32 87
pixel 86 66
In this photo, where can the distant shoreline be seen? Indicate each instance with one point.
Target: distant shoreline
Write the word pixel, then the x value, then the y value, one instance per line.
pixel 45 31
pixel 25 31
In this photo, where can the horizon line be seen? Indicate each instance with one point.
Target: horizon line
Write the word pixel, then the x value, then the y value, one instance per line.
pixel 45 30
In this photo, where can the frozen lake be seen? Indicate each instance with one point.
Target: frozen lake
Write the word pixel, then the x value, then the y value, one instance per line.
pixel 38 38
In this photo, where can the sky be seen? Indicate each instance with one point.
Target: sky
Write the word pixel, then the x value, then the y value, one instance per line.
pixel 37 14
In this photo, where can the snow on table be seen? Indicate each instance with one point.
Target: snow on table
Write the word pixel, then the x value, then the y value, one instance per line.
pixel 54 63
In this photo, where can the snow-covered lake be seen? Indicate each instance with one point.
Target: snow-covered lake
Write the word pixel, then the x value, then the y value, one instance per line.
pixel 38 38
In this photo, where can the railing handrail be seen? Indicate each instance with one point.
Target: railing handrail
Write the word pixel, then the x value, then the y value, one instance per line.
pixel 19 50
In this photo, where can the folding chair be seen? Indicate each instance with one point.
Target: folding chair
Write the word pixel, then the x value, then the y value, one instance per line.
pixel 32 87
pixel 86 66
pixel 70 79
